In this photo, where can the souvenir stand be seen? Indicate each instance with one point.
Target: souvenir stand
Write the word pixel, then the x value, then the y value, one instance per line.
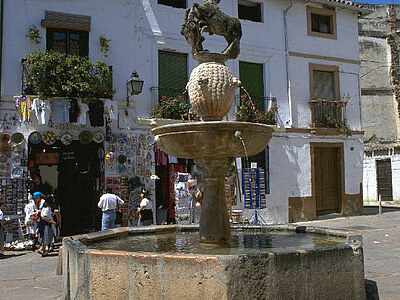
pixel 128 167
pixel 254 188
pixel 13 181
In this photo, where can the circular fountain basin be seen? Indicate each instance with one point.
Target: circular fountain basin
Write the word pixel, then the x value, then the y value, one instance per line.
pixel 213 139
pixel 168 262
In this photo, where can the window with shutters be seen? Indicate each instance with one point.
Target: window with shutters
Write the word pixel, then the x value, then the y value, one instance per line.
pixel 173 3
pixel 249 10
pixel 172 73
pixel 321 22
pixel 252 78
pixel 67 33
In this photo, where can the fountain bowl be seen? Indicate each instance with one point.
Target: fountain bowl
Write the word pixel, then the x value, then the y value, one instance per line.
pixel 329 272
pixel 213 139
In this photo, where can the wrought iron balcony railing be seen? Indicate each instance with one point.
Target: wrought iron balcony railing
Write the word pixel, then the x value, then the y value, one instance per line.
pixel 328 113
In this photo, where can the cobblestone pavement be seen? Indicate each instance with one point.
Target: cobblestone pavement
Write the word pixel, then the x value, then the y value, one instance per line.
pixel 381 241
pixel 27 275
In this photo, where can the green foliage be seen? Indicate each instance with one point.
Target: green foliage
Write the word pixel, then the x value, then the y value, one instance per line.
pixel 331 122
pixel 34 34
pixel 104 45
pixel 53 74
pixel 173 107
pixel 248 112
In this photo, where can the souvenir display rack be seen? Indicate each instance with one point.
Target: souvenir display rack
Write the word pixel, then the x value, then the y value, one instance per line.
pixel 13 192
pixel 254 188
pixel 120 186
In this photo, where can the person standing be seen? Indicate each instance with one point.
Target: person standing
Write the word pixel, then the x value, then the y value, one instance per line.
pixel 108 204
pixel 29 209
pixel 2 231
pixel 46 234
pixel 145 210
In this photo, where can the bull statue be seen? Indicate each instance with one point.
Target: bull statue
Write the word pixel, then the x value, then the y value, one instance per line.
pixel 207 17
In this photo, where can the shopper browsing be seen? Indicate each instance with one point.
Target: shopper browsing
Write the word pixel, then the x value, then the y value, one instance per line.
pixel 3 220
pixel 108 204
pixel 145 210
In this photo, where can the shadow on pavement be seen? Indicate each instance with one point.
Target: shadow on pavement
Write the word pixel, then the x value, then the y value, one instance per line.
pixel 371 290
pixel 7 256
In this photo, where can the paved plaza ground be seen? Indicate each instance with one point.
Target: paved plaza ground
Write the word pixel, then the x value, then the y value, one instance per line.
pixel 26 275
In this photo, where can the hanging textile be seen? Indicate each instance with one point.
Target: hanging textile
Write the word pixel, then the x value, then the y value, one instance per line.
pixel 60 109
pixel 73 110
pixel 42 110
pixel 112 109
pixel 96 113
pixel 83 109
pixel 160 156
pixel 24 106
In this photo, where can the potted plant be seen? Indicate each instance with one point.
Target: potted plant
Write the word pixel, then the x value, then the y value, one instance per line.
pixel 173 107
pixel 248 112
pixel 34 34
pixel 104 45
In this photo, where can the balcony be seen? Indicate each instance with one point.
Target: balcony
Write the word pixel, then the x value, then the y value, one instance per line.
pixel 158 92
pixel 329 113
pixel 265 106
pixel 53 75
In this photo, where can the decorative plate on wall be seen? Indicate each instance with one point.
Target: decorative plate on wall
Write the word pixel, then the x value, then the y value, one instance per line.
pixel 98 137
pixel 17 138
pixel 35 137
pixel 5 138
pixel 85 137
pixel 111 138
pixel 66 139
pixel 49 138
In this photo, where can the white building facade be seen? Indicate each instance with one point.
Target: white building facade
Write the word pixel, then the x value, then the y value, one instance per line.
pixel 296 52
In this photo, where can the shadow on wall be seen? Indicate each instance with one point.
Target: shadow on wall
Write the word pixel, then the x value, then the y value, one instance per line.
pixel 371 290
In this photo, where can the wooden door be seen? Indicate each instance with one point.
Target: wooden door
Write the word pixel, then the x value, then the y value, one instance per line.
pixel 327 179
pixel 384 179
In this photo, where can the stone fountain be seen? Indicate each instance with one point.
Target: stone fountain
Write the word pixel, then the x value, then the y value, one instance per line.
pixel 154 263
pixel 212 143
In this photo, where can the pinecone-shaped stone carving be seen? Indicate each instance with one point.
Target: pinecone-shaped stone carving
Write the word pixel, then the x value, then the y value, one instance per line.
pixel 211 89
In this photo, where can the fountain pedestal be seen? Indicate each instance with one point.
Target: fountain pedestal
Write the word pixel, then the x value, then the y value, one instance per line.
pixel 214 221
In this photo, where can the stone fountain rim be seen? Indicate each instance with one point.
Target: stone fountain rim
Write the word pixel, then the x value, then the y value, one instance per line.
pixel 215 126
pixel 78 241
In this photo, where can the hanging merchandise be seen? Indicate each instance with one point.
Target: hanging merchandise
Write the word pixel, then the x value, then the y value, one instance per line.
pixel 60 108
pixel 100 153
pixel 110 157
pixel 66 139
pixel 42 109
pixel 121 159
pixel 122 138
pixel 49 138
pixel 96 113
pixel 111 109
pixel 98 137
pixel 85 137
pixel 5 138
pixel 17 138
pixel 35 137
pixel 17 150
pixel 83 109
pixel 111 138
pixel 24 106
pixel 73 110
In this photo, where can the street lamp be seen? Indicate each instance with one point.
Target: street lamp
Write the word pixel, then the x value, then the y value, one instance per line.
pixel 134 85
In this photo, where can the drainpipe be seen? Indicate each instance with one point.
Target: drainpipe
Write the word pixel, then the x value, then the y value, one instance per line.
pixel 285 12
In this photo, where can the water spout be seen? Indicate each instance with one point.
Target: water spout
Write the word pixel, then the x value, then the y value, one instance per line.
pixel 238 134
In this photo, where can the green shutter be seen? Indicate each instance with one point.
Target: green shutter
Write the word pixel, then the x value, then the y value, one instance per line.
pixel 172 73
pixel 252 78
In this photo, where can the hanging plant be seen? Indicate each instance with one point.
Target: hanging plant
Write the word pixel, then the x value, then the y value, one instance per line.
pixel 104 45
pixel 34 34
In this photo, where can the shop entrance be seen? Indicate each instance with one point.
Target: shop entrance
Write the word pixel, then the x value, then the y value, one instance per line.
pixel 78 172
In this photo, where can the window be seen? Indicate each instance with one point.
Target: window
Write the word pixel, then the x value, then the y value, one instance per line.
pixel 321 22
pixel 172 73
pixel 69 42
pixel 324 85
pixel 173 3
pixel 248 10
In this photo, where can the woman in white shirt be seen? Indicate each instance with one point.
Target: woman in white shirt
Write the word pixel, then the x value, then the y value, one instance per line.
pixel 46 234
pixel 145 210
pixel 30 209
